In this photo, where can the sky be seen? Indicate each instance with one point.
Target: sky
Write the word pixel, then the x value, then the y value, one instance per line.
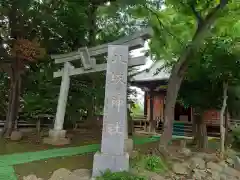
pixel 136 53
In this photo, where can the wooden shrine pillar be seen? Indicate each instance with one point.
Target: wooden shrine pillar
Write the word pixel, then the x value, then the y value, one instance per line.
pixel 152 123
pixel 191 118
pixel 145 103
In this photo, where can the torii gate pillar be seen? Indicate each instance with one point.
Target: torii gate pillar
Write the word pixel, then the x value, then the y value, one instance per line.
pixel 57 136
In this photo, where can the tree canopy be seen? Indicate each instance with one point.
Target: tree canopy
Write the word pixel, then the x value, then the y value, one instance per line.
pixel 60 26
pixel 63 26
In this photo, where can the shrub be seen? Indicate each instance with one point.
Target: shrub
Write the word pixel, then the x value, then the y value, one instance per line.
pixel 149 162
pixel 155 164
pixel 236 135
pixel 108 175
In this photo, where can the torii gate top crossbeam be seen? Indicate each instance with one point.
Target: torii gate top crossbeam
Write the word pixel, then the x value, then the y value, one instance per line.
pixel 87 55
pixel 134 41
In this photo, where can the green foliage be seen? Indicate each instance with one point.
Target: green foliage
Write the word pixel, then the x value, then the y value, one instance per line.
pixel 234 101
pixel 137 109
pixel 64 26
pixel 37 98
pixel 149 162
pixel 175 25
pixel 215 63
pixel 61 26
pixel 3 94
pixel 236 135
pixel 201 94
pixel 108 175
pixel 154 163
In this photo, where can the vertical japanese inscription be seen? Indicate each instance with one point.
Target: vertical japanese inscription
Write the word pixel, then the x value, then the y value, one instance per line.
pixel 117 78
pixel 115 100
pixel 119 59
pixel 113 129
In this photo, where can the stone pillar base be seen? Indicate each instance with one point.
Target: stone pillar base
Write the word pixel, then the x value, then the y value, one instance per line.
pixel 128 145
pixel 56 137
pixel 115 163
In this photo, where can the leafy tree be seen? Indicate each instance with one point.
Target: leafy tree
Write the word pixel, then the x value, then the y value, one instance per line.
pixel 22 22
pixel 3 94
pixel 215 67
pixel 20 46
pixel 179 31
pixel 61 26
pixel 203 23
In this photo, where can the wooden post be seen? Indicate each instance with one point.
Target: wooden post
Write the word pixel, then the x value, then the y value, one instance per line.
pixel 151 121
pixel 145 103
pixel 191 118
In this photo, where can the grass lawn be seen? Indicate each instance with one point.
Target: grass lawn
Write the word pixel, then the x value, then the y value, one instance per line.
pixel 44 168
pixel 30 144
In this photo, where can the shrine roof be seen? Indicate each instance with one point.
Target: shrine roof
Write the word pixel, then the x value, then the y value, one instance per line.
pixel 153 73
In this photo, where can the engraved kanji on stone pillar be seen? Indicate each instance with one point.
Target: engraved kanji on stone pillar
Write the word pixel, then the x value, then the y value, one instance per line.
pixel 116 95
pixel 112 155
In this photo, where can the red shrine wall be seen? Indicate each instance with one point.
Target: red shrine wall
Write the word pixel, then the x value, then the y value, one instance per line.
pixel 211 116
pixel 158 105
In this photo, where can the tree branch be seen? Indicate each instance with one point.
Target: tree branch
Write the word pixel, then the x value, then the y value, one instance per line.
pixel 198 36
pixel 196 13
pixel 162 25
pixel 223 3
pixel 210 17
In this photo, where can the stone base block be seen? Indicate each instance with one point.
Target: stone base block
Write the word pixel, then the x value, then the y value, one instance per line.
pixel 56 137
pixel 115 163
pixel 56 142
pixel 56 134
pixel 16 136
pixel 128 145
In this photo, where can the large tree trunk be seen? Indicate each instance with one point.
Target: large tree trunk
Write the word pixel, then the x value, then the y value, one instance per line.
pixel 11 115
pixel 173 84
pixel 14 82
pixel 199 130
pixel 14 97
pixel 180 68
pixel 8 123
pixel 195 120
pixel 222 128
pixel 202 133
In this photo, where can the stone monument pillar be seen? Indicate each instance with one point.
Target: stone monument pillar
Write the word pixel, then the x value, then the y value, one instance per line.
pixel 57 136
pixel 112 155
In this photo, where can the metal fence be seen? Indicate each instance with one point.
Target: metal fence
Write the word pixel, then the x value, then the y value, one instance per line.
pixel 27 124
pixel 183 128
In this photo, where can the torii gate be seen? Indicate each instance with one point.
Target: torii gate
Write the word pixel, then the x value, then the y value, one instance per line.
pixel 87 57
